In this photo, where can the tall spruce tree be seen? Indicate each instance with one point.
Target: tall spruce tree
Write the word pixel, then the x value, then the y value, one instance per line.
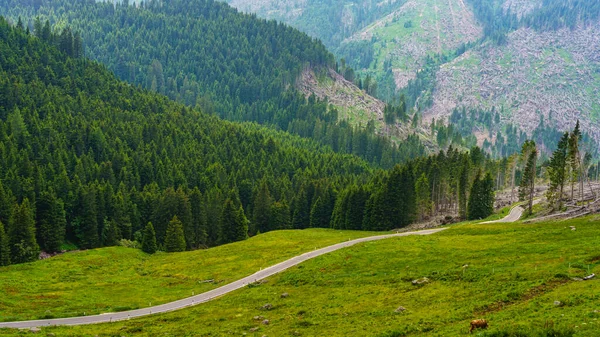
pixel 474 205
pixel 463 187
pixel 356 208
pixel 487 196
pixel 424 204
pixel 51 222
pixel 234 225
pixel 4 246
pixel 174 237
pixel 280 215
pixel 88 223
pixel 301 216
pixel 262 208
pixel 527 187
pixel 6 205
pixel 557 172
pixel 149 239
pixel 198 219
pixel 110 233
pixel 23 245
pixel 574 160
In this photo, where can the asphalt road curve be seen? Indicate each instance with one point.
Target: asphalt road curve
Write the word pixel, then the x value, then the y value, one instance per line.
pixel 514 215
pixel 207 296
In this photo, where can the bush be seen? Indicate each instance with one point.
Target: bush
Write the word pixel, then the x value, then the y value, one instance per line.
pixel 129 243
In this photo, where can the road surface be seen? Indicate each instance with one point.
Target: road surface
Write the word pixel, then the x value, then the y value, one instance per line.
pixel 207 296
pixel 514 215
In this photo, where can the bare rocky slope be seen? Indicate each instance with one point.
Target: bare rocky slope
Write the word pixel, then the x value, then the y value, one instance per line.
pixel 354 105
pixel 553 75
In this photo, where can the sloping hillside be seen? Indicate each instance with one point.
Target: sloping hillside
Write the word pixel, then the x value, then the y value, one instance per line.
pixel 553 75
pixel 535 62
pixel 361 110
pixel 402 39
pixel 204 53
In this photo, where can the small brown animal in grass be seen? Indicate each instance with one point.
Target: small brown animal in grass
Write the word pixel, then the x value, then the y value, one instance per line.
pixel 478 324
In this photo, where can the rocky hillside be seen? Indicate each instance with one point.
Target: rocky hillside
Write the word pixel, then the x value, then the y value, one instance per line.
pixel 354 105
pixel 552 74
pixel 419 28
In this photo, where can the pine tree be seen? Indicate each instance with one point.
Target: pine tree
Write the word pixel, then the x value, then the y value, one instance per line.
pixel 301 216
pixel 110 233
pixel 487 196
pixel 408 201
pixel 51 222
pixel 262 208
pixel 149 239
pixel 6 205
pixel 573 159
pixel 474 205
pixel 320 213
pixel 88 223
pixel 4 247
pixel 234 225
pixel 175 238
pixel 280 214
pixel 198 218
pixel 355 209
pixel 424 204
pixel 23 245
pixel 527 187
pixel 463 187
pixel 557 172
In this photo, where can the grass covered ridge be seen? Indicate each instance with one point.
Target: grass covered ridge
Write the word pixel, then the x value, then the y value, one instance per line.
pixel 118 278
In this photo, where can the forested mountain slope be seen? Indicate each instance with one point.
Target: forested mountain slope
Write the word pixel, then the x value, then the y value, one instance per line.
pixel 201 52
pixel 534 63
pixel 90 160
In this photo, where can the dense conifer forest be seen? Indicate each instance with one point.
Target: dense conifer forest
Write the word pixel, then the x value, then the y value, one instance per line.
pixel 204 53
pixel 90 161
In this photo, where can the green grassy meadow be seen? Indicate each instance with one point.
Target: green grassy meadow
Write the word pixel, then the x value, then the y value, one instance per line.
pixel 118 278
pixel 510 274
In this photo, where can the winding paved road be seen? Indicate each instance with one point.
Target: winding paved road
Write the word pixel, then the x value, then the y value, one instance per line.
pixel 209 295
pixel 514 215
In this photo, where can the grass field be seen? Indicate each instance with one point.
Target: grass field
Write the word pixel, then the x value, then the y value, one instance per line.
pixel 517 276
pixel 118 278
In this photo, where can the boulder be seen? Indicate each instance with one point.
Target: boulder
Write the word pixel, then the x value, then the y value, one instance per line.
pixel 258 318
pixel 254 329
pixel 266 322
pixel 267 306
pixel 422 280
pixel 285 295
pixel 400 309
